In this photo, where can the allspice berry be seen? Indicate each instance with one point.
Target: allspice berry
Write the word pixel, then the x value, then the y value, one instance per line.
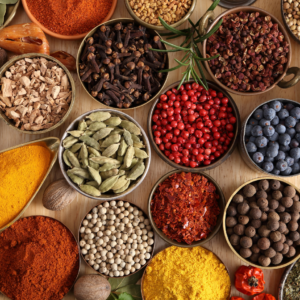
pixel 229 231
pixel 231 211
pixel 270 252
pixel 273 204
pixel 262 202
pixel 255 239
pixel 287 202
pixel 250 231
pixel 273 225
pixel 246 242
pixel 282 227
pixel 264 261
pixel 277 195
pixel 289 191
pixel 263 184
pixel 294 236
pixel 254 257
pixel 285 249
pixel 272 215
pixel 255 213
pixel 255 223
pixel 234 240
pixel 283 238
pixel 296 206
pixel 292 252
pixel 245 253
pixel 278 246
pixel 238 198
pixel 295 216
pixel 231 221
pixel 263 243
pixel 261 194
pixel 280 208
pixel 289 242
pixel 263 231
pixel 249 190
pixel 253 204
pixel 239 229
pixel 243 220
pixel 275 236
pixel 277 259
pixel 243 208
pixel 255 249
pixel 292 226
pixel 275 184
pixel 264 217
pixel 296 198
pixel 285 217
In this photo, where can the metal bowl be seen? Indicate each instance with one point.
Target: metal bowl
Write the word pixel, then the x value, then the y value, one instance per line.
pixel 105 197
pixel 72 84
pixel 11 10
pixel 221 202
pixel 79 262
pixel 242 144
pixel 156 27
pixel 143 277
pixel 52 143
pixel 235 3
pixel 286 261
pixel 217 161
pixel 153 246
pixel 287 71
pixel 109 23
pixel 283 281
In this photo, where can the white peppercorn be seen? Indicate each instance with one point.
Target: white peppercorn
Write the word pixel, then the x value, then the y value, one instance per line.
pixel 85 222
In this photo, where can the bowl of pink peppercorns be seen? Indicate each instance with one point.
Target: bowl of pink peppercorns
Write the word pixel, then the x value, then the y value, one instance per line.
pixel 194 128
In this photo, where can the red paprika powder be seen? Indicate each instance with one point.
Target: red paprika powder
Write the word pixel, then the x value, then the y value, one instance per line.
pixel 69 17
pixel 185 207
pixel 39 259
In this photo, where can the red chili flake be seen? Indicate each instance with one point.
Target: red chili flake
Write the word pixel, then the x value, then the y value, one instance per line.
pixel 185 207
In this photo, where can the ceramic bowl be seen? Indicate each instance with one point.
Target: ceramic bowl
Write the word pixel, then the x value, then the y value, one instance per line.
pixel 221 203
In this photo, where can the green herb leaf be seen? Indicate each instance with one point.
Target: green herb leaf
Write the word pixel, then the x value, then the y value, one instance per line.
pixel 214 5
pixel 174 46
pixel 170 70
pixel 205 85
pixel 174 36
pixel 205 59
pixel 181 63
pixel 182 81
pixel 159 50
pixel 168 27
pixel 112 297
pixel 117 283
pixel 125 296
pixel 133 289
pixel 210 33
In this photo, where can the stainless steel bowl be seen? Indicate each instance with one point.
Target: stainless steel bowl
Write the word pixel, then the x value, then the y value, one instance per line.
pixel 221 202
pixel 283 280
pixel 105 197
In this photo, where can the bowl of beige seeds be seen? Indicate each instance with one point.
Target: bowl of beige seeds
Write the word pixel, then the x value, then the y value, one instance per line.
pixel 290 10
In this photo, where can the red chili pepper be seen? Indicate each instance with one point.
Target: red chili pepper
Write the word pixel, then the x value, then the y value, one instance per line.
pixel 237 298
pixel 249 280
pixel 264 296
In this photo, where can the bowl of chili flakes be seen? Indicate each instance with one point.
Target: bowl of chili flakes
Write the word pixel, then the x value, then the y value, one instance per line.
pixel 186 208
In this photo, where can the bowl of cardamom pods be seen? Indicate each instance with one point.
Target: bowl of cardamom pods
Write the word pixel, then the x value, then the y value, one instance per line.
pixel 104 154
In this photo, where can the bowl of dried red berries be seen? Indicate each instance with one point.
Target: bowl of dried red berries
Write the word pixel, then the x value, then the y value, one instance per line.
pixel 186 208
pixel 194 129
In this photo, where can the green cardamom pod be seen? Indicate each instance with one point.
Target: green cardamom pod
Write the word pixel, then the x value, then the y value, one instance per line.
pixel 93 164
pixel 80 172
pixel 82 125
pixel 120 158
pixel 76 133
pixel 99 116
pixel 104 160
pixel 84 156
pixel 131 127
pixel 140 153
pixel 102 133
pixel 111 150
pixel 108 174
pixel 69 142
pixel 73 159
pixel 66 160
pixel 121 172
pixel 128 157
pixel 133 163
pixel 89 132
pixel 136 171
pixel 93 183
pixel 111 139
pixel 138 145
pixel 123 189
pixel 90 190
pixel 109 166
pixel 120 183
pixel 90 142
pixel 95 175
pixel 107 184
pixel 88 122
pixel 113 121
pixel 76 147
pixel 95 126
pixel 76 179
pixel 135 138
pixel 122 148
pixel 117 130
pixel 91 150
pixel 127 137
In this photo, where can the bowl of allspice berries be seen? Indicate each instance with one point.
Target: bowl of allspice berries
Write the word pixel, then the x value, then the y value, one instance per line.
pixel 261 223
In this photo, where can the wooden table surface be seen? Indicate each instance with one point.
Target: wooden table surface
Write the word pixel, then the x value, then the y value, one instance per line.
pixel 230 175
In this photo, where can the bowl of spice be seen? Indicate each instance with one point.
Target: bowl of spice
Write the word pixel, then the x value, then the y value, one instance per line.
pixel 69 20
pixel 185 209
pixel 24 168
pixel 39 259
pixel 291 17
pixel 174 13
pixel 37 94
pixel 104 154
pixel 194 129
pixel 261 223
pixel 270 138
pixel 116 239
pixel 200 275
pixel 251 61
pixel 117 67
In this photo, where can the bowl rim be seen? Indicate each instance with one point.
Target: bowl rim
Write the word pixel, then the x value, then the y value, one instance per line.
pixel 62 36
pixel 156 27
pixel 130 189
pixel 79 261
pixel 81 47
pixel 281 27
pixel 242 139
pixel 283 280
pixel 143 277
pixel 219 220
pixel 226 235
pixel 119 277
pixel 218 162
pixel 72 85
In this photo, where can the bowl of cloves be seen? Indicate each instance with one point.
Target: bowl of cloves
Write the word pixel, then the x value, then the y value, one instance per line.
pixel 117 67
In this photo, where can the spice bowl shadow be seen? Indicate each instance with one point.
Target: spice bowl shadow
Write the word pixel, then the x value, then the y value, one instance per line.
pixel 283 281
pixel 11 62
pixel 286 261
pixel 221 204
pixel 61 36
pixel 217 162
pixel 52 143
pixel 81 49
pixel 153 246
pixel 105 197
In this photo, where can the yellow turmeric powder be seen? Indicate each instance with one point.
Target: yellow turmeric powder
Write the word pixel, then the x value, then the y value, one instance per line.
pixel 186 274
pixel 21 172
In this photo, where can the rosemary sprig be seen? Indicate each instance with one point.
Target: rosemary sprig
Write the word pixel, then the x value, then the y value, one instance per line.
pixel 193 58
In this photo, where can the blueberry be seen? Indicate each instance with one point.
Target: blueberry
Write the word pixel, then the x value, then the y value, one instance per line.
pixel 284 148
pixel 248 130
pixel 268 166
pixel 252 139
pixel 280 155
pixel 283 114
pixel 258 157
pixel 281 129
pixel 284 139
pixel 295 112
pixel 258 114
pixel 291 132
pixel 275 105
pixel 290 161
pixel 295 168
pixel 289 106
pixel 268 130
pixel 252 122
pixel 272 151
pixel 273 144
pixel 271 159
pixel 298 127
pixel 290 122
pixel 281 165
pixel 294 144
pixel 275 121
pixel 297 137
pixel 263 151
pixel 274 137
pixel 287 172
pixel 295 153
pixel 275 172
pixel 251 147
pixel 261 142
pixel 265 106
pixel 257 131
pixel 269 113
pixel 264 122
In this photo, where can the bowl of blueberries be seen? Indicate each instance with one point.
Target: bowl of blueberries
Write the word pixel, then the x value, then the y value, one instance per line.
pixel 270 138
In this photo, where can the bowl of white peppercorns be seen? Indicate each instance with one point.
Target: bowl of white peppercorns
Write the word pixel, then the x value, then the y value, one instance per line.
pixel 290 10
pixel 116 239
